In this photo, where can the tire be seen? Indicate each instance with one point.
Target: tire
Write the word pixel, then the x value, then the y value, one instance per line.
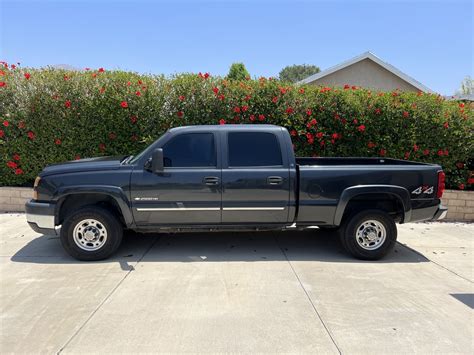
pixel 91 233
pixel 369 234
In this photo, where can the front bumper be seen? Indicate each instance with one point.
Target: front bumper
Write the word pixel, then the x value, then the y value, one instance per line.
pixel 40 216
pixel 436 212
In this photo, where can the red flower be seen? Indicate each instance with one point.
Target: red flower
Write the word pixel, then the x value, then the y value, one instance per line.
pixel 293 133
pixel 101 70
pixel 275 99
pixel 407 155
pixel 6 123
pixel 252 118
pixel 355 121
pixel 461 105
pixel 124 104
pixel 415 147
pixel 405 114
pixel 94 75
pixel 13 66
pixel 77 157
pixel 244 108
pixel 215 89
pixel 353 87
pixel 180 113
pixel 301 91
pixel 382 152
pixel 12 164
pixel 221 97
pixel 319 135
pixel 67 104
pixel 446 152
pixel 440 152
pixel 361 128
pixel 18 171
pixel 129 83
pixel 426 152
pixel 2 73
pixel 2 134
pixel 261 117
pixel 221 121
pixel 246 98
pixel 139 82
pixel 181 98
pixel 283 91
pixel 313 121
pixel 65 77
pixel 206 75
pixel 470 181
pixel 346 86
pixel 87 69
pixel 57 141
pixel 378 111
pixel 237 109
pixel 138 93
pixel 2 84
pixel 133 119
pixel 31 135
pixel 336 136
pixel 460 165
pixel 461 186
pixel 446 124
pixel 102 90
pixel 290 110
pixel 101 147
pixel 371 144
pixel 309 112
pixel 16 157
pixel 112 136
pixel 27 76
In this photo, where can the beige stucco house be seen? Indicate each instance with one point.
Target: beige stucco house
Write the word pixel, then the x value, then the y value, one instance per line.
pixel 368 71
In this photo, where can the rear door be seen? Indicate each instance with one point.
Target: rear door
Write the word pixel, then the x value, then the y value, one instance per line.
pixel 255 178
pixel 189 190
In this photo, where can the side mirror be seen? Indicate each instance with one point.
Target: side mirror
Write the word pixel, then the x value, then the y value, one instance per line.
pixel 157 162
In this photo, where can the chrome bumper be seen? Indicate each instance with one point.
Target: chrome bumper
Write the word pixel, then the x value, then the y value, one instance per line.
pixel 40 216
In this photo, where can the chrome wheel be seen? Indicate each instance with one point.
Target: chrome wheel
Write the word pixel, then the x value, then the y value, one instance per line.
pixel 90 234
pixel 371 234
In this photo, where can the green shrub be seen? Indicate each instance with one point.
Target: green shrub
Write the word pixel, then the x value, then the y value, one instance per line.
pixel 49 116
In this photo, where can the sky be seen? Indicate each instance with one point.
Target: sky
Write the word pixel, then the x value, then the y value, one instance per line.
pixel 432 41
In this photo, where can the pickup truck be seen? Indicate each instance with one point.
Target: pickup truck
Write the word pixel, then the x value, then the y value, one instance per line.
pixel 231 177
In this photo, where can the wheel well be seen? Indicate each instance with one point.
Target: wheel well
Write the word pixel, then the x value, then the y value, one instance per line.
pixel 76 201
pixel 388 203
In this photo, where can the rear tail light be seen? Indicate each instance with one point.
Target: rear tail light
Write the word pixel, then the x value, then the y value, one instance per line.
pixel 441 184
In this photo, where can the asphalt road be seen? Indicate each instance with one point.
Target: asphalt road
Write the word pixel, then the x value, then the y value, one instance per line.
pixel 273 292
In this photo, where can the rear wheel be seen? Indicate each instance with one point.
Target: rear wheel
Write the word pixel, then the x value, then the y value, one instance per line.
pixel 92 233
pixel 369 234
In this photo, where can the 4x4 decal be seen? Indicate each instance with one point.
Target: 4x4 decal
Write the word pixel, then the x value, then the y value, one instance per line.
pixel 428 190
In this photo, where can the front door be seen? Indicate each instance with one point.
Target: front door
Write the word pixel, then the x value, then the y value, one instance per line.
pixel 189 190
pixel 255 179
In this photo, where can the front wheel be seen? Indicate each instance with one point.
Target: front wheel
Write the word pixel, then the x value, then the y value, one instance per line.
pixel 369 235
pixel 90 234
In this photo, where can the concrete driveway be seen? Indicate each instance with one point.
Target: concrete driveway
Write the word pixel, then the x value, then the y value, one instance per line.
pixel 238 292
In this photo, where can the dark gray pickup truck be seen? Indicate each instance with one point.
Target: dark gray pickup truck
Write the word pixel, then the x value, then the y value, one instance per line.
pixel 231 177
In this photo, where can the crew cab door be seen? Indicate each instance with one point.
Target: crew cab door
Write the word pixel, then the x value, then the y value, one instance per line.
pixel 255 178
pixel 188 192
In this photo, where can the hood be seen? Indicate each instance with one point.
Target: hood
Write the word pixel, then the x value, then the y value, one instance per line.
pixel 89 164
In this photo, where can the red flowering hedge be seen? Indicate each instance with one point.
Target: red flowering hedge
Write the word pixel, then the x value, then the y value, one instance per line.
pixel 49 116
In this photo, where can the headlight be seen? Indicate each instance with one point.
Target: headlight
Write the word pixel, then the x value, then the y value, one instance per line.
pixel 35 192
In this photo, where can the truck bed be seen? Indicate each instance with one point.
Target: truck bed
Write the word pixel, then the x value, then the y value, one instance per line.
pixel 308 161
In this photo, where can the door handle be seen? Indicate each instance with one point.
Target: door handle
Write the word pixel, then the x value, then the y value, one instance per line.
pixel 274 180
pixel 211 180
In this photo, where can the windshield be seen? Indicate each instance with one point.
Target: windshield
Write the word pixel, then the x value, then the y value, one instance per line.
pixel 144 152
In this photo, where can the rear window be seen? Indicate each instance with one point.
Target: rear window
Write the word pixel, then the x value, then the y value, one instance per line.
pixel 254 149
pixel 190 150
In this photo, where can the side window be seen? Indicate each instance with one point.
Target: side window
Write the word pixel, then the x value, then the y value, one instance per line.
pixel 190 150
pixel 254 149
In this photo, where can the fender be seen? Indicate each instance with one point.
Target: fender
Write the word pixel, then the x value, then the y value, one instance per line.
pixel 113 191
pixel 400 193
